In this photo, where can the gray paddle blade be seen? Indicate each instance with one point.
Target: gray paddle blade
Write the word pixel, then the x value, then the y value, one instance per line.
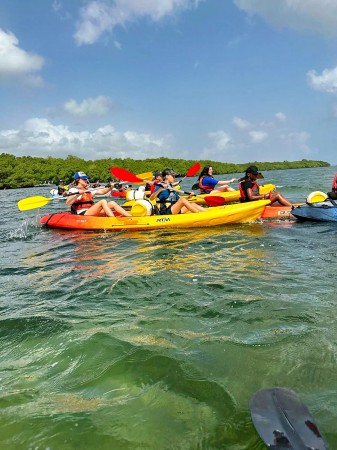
pixel 284 422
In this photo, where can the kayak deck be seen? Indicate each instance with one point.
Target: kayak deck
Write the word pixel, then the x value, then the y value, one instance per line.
pixel 320 211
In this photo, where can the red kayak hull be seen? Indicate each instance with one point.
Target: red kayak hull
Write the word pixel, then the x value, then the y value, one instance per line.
pixel 118 194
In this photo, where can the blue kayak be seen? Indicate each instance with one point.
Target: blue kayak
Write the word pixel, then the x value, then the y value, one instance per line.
pixel 320 211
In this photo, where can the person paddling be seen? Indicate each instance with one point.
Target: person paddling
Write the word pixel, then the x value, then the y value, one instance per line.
pixel 209 185
pixel 82 200
pixel 169 199
pixel 250 190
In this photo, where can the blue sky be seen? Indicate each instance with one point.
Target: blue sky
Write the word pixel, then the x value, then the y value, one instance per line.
pixel 227 80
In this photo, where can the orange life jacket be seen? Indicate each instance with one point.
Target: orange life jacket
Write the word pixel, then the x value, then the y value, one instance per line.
pixel 84 202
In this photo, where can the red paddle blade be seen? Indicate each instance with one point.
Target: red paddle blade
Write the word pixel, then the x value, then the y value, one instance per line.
pixel 213 200
pixel 193 170
pixel 125 175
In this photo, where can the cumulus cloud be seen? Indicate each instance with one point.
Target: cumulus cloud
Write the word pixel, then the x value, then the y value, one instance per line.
pixel 281 117
pixel 257 136
pixel 99 16
pixel 221 146
pixel 268 140
pixel 40 137
pixel 313 16
pixel 17 65
pixel 98 106
pixel 240 123
pixel 220 139
pixel 326 82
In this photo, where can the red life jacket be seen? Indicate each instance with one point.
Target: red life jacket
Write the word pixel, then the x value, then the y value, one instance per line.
pixel 255 189
pixel 154 184
pixel 84 202
pixel 204 189
pixel 334 184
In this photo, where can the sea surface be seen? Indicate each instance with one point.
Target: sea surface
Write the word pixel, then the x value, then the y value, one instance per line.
pixel 157 340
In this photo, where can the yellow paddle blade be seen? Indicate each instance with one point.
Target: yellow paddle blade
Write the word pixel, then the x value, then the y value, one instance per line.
pixel 33 202
pixel 147 176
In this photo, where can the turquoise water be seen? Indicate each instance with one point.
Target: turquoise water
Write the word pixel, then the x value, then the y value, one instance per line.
pixel 157 340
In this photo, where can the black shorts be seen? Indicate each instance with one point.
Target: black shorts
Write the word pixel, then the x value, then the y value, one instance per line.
pixel 165 210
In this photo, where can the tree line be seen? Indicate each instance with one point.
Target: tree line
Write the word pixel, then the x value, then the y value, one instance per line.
pixel 28 171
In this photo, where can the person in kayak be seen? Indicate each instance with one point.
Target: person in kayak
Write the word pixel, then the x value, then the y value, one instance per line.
pixel 169 200
pixel 150 185
pixel 333 194
pixel 250 190
pixel 82 200
pixel 207 183
pixel 61 188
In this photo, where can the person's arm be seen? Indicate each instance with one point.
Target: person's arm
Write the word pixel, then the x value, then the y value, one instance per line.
pixel 105 190
pixel 223 182
pixel 157 191
pixel 253 197
pixel 76 194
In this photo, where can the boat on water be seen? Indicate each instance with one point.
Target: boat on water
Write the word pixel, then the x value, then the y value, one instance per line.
pixel 221 215
pixel 324 211
pixel 277 211
pixel 120 194
pixel 229 197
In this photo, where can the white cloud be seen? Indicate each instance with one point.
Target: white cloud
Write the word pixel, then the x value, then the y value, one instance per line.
pixel 258 136
pixel 221 140
pixel 281 117
pixel 17 65
pixel 240 123
pixel 58 9
pixel 268 140
pixel 326 82
pixel 39 137
pixel 98 106
pixel 313 16
pixel 221 146
pixel 99 16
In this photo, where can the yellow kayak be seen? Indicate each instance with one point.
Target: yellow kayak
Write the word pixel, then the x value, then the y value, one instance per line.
pixel 221 215
pixel 231 196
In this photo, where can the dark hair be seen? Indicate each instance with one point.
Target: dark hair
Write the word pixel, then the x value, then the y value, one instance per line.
pixel 157 173
pixel 204 172
pixel 252 169
pixel 168 172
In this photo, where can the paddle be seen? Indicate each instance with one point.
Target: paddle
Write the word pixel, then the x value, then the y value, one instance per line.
pixel 284 422
pixel 191 171
pixel 34 202
pixel 145 177
pixel 38 201
pixel 125 175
